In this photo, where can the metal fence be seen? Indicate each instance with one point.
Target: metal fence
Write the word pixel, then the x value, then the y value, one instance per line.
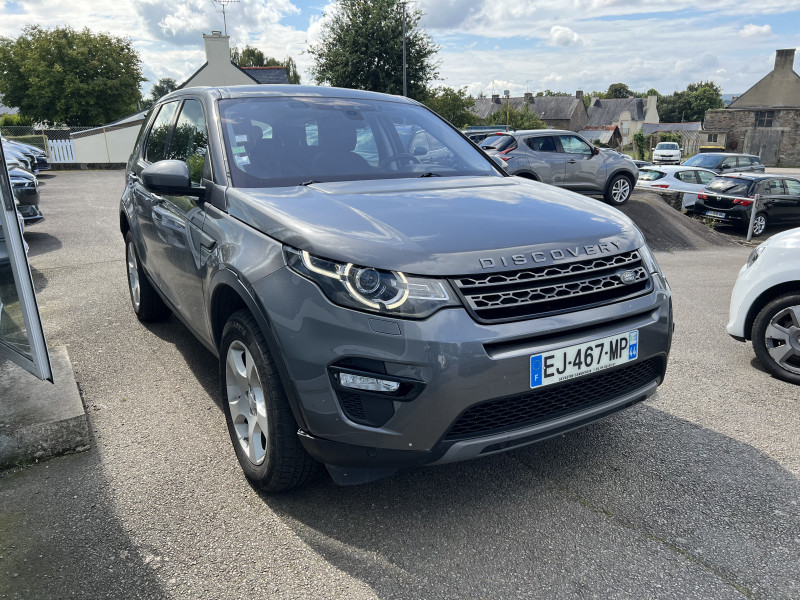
pixel 56 142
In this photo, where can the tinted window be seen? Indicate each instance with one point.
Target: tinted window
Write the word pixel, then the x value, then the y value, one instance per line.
pixel 732 186
pixel 650 175
pixel 338 139
pixel 773 187
pixel 155 149
pixel 541 144
pixel 190 141
pixel 498 142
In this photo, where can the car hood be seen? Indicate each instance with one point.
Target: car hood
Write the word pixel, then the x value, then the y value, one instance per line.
pixel 447 226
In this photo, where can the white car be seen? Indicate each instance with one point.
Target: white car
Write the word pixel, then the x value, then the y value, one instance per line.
pixel 765 305
pixel 667 153
pixel 671 180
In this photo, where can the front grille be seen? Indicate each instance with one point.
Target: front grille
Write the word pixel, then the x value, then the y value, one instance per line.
pixel 547 290
pixel 522 410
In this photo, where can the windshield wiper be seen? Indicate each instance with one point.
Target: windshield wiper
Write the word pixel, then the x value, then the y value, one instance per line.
pixel 430 174
pixel 310 182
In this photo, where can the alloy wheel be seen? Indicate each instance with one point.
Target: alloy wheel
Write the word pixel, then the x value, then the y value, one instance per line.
pixel 246 402
pixel 133 276
pixel 782 339
pixel 759 224
pixel 620 190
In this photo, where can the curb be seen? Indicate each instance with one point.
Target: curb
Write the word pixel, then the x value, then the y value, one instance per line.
pixel 39 419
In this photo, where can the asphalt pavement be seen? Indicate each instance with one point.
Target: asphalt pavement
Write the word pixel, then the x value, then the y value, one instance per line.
pixel 692 494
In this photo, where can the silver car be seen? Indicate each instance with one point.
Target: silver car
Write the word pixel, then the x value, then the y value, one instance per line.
pixel 675 180
pixel 564 159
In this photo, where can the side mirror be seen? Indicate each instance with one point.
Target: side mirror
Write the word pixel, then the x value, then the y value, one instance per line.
pixel 419 151
pixel 170 177
pixel 595 150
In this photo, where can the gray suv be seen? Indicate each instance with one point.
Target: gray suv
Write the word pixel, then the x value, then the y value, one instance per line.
pixel 376 304
pixel 565 159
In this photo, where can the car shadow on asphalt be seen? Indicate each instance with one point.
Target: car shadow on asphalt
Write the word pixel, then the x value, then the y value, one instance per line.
pixel 41 243
pixel 643 496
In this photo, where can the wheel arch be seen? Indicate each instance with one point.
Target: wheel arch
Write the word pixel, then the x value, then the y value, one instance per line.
pixel 527 175
pixel 765 298
pixel 627 174
pixel 230 295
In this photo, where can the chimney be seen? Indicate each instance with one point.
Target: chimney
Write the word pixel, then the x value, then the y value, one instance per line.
pixel 579 95
pixel 495 98
pixel 784 59
pixel 528 97
pixel 218 48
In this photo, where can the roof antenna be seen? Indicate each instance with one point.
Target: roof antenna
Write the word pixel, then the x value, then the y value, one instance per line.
pixel 223 4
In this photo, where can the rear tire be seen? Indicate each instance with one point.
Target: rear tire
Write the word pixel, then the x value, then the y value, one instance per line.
pixel 776 337
pixel 147 304
pixel 618 190
pixel 260 422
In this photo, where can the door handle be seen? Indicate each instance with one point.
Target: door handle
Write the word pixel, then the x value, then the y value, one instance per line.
pixel 572 161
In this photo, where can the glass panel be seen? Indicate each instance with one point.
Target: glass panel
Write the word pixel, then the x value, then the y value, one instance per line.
pixel 21 334
pixel 156 141
pixel 190 141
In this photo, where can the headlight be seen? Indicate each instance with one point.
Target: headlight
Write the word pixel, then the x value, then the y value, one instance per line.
pixel 754 255
pixel 373 290
pixel 649 260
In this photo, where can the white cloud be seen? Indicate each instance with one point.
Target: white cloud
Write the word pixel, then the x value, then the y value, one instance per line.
pixel 563 36
pixel 751 31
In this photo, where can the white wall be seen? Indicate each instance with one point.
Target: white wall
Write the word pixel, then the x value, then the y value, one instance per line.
pixel 107 147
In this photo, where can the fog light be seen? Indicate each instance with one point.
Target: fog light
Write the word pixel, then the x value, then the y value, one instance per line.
pixel 371 384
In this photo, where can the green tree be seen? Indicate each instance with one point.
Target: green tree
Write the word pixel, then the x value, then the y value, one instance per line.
pixel 517 119
pixel 618 90
pixel 253 57
pixel 164 86
pixel 642 143
pixel 453 105
pixel 362 48
pixel 690 104
pixel 72 77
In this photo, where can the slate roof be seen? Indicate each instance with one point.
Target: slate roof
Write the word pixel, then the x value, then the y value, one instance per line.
pixel 606 112
pixel 651 128
pixel 545 107
pixel 267 74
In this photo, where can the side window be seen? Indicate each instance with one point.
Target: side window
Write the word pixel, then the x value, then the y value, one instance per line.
pixel 687 176
pixel 792 186
pixel 190 140
pixel 775 187
pixel 705 177
pixel 729 162
pixel 541 144
pixel 573 145
pixel 155 149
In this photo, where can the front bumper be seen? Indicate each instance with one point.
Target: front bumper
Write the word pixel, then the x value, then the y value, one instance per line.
pixel 460 362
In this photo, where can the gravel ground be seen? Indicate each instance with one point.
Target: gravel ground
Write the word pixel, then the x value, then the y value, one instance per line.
pixel 692 494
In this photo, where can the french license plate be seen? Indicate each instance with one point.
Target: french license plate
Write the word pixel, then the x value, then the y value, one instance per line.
pixel 582 359
pixel 714 213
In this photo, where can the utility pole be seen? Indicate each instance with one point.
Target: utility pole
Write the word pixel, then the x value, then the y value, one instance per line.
pixel 405 91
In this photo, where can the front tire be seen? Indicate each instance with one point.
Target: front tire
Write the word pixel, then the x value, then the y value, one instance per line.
pixel 776 337
pixel 759 224
pixel 260 422
pixel 618 190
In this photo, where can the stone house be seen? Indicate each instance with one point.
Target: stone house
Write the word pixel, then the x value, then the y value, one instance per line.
pixel 557 112
pixel 765 120
pixel 629 114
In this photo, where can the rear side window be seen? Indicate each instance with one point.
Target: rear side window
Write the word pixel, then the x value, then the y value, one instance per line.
pixel 705 176
pixel 650 175
pixel 541 144
pixel 687 176
pixel 155 149
pixel 732 186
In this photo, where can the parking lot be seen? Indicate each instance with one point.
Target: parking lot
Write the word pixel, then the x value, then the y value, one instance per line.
pixel 692 494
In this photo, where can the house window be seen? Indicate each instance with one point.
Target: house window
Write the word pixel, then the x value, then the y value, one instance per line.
pixel 764 118
pixel 712 137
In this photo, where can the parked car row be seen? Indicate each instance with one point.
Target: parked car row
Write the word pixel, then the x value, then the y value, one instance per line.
pixel 24 162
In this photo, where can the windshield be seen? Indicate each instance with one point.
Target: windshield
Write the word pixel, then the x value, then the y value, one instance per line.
pixel 730 186
pixel 498 142
pixel 708 161
pixel 667 146
pixel 288 141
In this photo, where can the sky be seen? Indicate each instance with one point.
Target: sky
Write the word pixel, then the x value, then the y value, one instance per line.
pixel 487 46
